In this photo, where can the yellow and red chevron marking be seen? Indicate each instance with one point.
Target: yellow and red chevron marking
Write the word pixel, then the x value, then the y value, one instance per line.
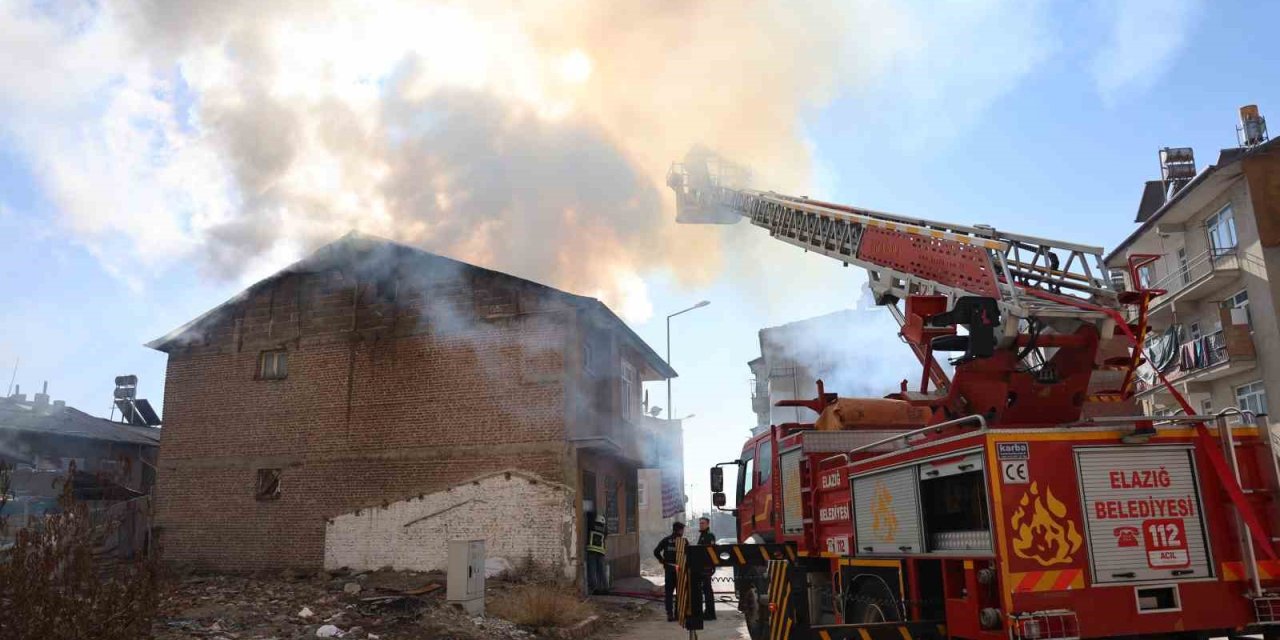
pixel 1059 580
pixel 1267 570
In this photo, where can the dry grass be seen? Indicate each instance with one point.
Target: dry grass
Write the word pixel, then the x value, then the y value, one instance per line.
pixel 534 605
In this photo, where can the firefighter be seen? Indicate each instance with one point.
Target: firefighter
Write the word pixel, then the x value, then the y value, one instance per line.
pixel 665 552
pixel 596 533
pixel 705 537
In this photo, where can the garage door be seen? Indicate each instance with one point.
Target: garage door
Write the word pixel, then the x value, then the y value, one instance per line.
pixel 1142 510
pixel 887 516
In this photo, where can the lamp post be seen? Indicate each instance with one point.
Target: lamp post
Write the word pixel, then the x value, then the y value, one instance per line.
pixel 670 410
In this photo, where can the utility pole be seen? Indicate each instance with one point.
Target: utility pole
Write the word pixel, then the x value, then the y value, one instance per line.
pixel 671 412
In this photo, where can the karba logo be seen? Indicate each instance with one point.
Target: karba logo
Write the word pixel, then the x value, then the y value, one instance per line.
pixel 1042 530
pixel 1125 536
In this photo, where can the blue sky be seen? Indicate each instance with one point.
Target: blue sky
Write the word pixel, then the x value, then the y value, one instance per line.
pixel 1042 118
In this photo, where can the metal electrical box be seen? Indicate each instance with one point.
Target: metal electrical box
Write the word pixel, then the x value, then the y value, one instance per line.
pixel 466 575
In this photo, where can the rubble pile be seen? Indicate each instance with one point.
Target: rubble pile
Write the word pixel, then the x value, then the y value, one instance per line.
pixel 380 605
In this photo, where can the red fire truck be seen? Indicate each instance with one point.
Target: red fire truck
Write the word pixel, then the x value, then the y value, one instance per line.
pixel 1019 497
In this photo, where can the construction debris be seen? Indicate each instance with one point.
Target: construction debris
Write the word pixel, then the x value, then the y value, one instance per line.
pixel 389 605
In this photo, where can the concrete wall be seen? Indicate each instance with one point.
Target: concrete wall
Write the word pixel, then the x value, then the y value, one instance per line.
pixel 519 516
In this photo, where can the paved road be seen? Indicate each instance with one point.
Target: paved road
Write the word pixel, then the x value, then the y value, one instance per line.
pixel 728 625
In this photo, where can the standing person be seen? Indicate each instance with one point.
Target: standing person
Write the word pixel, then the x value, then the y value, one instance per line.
pixel 596 533
pixel 705 537
pixel 665 552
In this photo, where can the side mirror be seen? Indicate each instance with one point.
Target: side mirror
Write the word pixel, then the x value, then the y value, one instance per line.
pixel 717 480
pixel 718 500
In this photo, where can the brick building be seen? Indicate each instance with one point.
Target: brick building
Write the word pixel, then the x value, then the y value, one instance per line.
pixel 371 373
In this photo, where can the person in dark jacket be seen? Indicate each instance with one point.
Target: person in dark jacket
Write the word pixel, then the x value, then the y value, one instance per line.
pixel 665 552
pixel 705 537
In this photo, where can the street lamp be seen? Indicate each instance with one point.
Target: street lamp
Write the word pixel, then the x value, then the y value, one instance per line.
pixel 671 410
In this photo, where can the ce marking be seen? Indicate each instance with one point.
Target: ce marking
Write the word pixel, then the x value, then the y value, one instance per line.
pixel 1014 471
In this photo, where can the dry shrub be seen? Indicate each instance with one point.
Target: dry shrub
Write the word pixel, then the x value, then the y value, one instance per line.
pixel 52 587
pixel 534 605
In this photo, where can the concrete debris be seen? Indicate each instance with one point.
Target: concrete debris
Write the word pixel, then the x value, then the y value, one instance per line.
pixel 306 613
pixel 329 631
pixel 352 588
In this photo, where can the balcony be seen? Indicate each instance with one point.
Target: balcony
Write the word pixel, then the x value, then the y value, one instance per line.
pixel 759 396
pixel 1216 355
pixel 1200 276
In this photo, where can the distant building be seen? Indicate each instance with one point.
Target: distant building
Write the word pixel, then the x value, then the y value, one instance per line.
pixel 1214 333
pixel 855 352
pixel 43 441
pixel 363 393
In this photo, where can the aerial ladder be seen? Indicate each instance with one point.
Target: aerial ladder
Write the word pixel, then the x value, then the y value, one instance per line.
pixel 1049 337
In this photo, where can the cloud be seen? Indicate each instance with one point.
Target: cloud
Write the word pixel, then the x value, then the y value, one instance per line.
pixel 527 137
pixel 1144 37
pixel 938 67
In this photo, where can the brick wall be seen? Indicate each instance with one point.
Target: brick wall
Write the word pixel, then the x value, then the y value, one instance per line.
pixel 402 380
pixel 519 516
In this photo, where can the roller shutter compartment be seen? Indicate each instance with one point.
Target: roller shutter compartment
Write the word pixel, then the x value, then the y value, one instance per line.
pixel 1143 513
pixel 887 512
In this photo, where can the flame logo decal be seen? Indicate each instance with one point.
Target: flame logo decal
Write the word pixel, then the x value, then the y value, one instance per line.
pixel 883 520
pixel 1042 532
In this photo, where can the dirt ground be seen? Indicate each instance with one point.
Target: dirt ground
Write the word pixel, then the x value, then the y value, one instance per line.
pixel 382 605
pixel 653 625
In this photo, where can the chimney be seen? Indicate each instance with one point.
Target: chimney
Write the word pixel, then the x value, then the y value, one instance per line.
pixel 18 394
pixel 42 399
pixel 1252 130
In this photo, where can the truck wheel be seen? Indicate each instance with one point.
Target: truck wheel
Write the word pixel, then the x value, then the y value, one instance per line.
pixel 753 601
pixel 871 601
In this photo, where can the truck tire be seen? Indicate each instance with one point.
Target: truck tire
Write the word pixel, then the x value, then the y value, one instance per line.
pixel 753 602
pixel 870 601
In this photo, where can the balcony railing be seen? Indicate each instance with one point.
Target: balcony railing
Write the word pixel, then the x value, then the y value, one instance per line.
pixel 1196 268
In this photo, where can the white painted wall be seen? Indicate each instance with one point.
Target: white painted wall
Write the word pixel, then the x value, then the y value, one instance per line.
pixel 518 515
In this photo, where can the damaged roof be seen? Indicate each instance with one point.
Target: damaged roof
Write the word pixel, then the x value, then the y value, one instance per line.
pixel 356 249
pixel 66 421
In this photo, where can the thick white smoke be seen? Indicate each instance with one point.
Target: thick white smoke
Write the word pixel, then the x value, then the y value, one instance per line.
pixel 530 137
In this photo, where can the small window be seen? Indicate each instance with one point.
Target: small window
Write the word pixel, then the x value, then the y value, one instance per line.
pixel 268 487
pixel 611 505
pixel 1206 407
pixel 642 493
pixel 587 357
pixel 1221 228
pixel 629 392
pixel 1183 268
pixel 763 465
pixel 273 365
pixel 1252 397
pixel 1193 330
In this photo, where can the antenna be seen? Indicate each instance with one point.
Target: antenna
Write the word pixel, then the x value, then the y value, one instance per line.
pixel 13 377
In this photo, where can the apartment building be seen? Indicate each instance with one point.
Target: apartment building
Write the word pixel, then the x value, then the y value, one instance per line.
pixel 1214 333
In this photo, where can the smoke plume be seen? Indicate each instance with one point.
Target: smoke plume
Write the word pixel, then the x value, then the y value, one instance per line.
pixel 530 137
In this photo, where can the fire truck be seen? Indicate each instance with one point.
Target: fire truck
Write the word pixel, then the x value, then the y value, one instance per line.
pixel 1019 494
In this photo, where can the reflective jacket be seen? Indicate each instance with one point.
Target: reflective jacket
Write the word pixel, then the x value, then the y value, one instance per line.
pixel 595 538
